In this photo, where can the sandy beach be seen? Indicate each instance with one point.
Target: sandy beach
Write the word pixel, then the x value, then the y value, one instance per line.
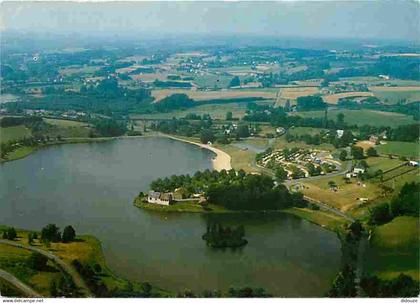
pixel 222 159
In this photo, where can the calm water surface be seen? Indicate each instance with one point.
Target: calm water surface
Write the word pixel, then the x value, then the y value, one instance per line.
pixel 92 186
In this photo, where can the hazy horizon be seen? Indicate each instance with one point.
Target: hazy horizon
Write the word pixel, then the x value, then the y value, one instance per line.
pixel 390 20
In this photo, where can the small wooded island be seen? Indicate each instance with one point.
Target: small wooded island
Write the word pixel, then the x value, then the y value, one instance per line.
pixel 218 236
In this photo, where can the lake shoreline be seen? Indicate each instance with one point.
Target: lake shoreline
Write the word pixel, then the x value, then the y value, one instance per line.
pixel 334 223
pixel 220 162
pixel 32 149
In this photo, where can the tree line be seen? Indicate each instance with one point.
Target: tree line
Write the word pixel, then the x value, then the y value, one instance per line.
pixel 235 190
pixel 405 203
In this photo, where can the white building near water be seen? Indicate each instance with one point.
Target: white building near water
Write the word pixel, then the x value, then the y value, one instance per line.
pixel 156 197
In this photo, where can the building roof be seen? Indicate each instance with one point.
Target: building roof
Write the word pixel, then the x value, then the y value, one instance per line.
pixel 154 194
pixel 166 196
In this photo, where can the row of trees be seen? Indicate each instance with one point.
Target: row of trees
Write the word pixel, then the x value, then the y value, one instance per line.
pixel 9 234
pixel 278 117
pixel 51 233
pixel 110 127
pixel 204 129
pixel 15 121
pixel 405 203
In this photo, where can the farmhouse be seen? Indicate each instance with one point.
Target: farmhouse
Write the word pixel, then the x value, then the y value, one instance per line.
pixel 159 198
pixel 413 163
pixel 357 171
pixel 280 130
pixel 373 139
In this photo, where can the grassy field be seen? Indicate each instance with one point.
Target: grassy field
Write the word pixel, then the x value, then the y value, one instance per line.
pixel 219 94
pixel 65 123
pixel 216 111
pixel 267 129
pixel 212 80
pixel 395 94
pixel 292 93
pixel 13 133
pixel 20 153
pixel 398 182
pixel 255 142
pixel 150 77
pixel 364 117
pixel 86 249
pixel 383 163
pixel 69 71
pixel 407 149
pixel 299 131
pixel 13 260
pixel 281 143
pixel 334 98
pixel 345 198
pixel 394 249
pixel 240 158
pixel 67 129
pixel 322 218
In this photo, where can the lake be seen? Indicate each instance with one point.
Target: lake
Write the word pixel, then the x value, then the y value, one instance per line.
pixel 92 187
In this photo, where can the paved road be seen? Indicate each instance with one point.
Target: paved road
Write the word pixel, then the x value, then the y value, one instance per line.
pixel 341 172
pixel 25 289
pixel 77 279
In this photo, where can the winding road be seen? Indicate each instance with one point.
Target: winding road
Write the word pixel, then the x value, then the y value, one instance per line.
pixel 25 289
pixel 77 279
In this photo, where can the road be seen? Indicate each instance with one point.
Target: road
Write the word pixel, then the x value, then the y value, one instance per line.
pixel 341 172
pixel 25 289
pixel 290 183
pixel 77 279
pixel 329 208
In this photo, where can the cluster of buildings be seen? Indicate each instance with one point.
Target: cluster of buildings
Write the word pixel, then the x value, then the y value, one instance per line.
pixel 299 159
pixel 169 198
pixel 156 197
pixel 70 114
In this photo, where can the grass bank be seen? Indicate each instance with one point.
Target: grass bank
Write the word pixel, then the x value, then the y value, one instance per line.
pixel 87 249
pixel 25 151
pixel 322 218
pixel 394 249
pixel 14 261
pixel 187 207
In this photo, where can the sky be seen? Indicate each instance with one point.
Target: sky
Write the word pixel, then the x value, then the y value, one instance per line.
pixel 395 19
